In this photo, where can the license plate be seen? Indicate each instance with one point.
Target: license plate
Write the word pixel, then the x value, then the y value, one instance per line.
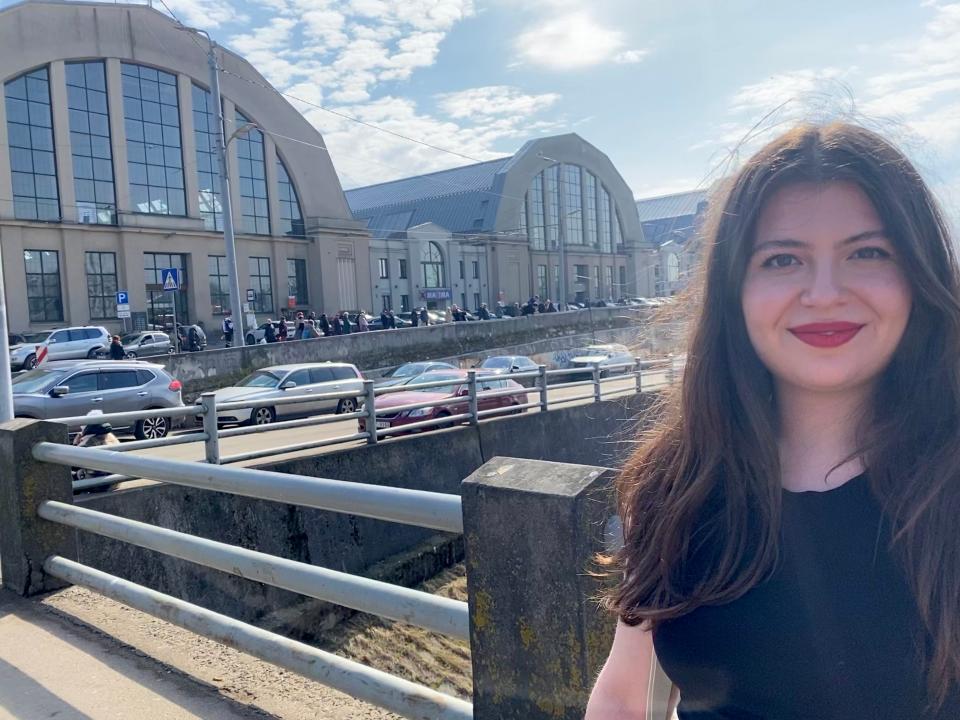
pixel 383 424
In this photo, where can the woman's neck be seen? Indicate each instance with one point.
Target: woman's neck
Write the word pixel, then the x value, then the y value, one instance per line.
pixel 817 431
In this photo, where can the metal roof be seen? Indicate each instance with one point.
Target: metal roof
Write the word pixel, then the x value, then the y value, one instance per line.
pixel 462 199
pixel 670 206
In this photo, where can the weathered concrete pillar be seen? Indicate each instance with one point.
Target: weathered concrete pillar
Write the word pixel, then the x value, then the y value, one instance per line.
pixel 26 540
pixel 537 637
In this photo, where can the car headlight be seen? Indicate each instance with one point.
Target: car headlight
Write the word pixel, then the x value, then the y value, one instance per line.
pixel 421 412
pixel 363 407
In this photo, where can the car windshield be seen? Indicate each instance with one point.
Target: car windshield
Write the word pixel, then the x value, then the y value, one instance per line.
pixel 497 362
pixel 259 379
pixel 596 350
pixel 127 339
pixel 35 338
pixel 37 380
pixel 408 370
pixel 434 377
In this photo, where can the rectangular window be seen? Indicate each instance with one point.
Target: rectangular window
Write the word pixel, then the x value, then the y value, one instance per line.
pixel 623 279
pixel 159 301
pixel 542 290
pixel 476 269
pixel 476 301
pixel 535 205
pixel 590 222
pixel 384 268
pixel 552 194
pixel 254 211
pixel 608 290
pixel 556 280
pixel 402 270
pixel 582 274
pixel 219 284
pixel 262 285
pixel 43 285
pixel 461 268
pixel 387 302
pixel 89 130
pixel 463 301
pixel 297 280
pixel 208 175
pixel 151 111
pixel 606 239
pixel 30 140
pixel 596 281
pixel 102 285
pixel 404 303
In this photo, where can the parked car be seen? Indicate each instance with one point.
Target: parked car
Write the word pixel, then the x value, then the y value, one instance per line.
pixel 24 348
pixel 607 357
pixel 436 318
pixel 456 389
pixel 258 334
pixel 146 344
pixel 72 388
pixel 507 364
pixel 375 324
pixel 63 344
pixel 403 374
pixel 281 381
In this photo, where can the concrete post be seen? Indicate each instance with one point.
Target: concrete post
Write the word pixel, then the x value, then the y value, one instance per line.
pixel 542 384
pixel 370 400
pixel 537 637
pixel 597 390
pixel 211 446
pixel 26 540
pixel 472 390
pixel 639 372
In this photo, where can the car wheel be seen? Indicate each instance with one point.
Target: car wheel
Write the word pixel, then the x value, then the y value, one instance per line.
pixel 516 410
pixel 170 350
pixel 251 340
pixel 31 362
pixel 131 355
pixel 441 426
pixel 347 405
pixel 152 428
pixel 93 354
pixel 262 416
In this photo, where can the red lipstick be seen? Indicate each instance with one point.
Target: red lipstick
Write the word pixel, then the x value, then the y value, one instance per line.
pixel 826 334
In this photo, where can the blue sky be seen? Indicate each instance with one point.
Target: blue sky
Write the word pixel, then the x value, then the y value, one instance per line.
pixel 669 90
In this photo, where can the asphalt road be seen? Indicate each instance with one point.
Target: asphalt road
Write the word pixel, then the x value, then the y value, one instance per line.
pixel 268 439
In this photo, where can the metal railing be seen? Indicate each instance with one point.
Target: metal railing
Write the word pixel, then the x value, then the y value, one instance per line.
pixel 603 380
pixel 415 507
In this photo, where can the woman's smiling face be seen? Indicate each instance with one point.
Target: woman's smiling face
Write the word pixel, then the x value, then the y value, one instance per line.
pixel 824 298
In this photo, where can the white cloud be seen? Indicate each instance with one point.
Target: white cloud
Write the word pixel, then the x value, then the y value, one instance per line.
pixel 494 100
pixel 571 41
pixel 204 13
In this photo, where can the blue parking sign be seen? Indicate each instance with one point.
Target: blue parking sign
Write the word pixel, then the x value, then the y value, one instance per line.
pixel 123 298
pixel 170 279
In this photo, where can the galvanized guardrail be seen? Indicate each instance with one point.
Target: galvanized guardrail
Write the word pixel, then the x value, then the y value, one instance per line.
pixel 417 507
pixel 466 409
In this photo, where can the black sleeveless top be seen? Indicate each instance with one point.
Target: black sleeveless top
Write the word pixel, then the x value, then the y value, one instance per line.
pixel 833 634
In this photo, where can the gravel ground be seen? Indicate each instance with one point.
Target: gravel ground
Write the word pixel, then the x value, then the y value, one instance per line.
pixel 409 652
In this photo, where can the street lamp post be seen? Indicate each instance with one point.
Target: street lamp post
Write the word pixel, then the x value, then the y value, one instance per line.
pixel 226 205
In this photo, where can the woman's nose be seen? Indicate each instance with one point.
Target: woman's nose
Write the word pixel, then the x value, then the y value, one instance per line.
pixel 824 286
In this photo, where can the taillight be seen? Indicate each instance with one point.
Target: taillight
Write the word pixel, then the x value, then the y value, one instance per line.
pixel 175 386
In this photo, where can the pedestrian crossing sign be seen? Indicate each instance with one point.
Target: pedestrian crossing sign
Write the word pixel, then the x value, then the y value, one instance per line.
pixel 170 278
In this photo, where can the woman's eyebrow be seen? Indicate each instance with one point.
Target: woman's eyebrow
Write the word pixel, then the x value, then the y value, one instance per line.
pixel 793 243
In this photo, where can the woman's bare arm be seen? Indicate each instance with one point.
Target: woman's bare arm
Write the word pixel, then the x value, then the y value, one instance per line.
pixel 623 688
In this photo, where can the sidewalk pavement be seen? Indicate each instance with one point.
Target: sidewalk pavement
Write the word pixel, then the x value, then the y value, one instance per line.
pixel 51 668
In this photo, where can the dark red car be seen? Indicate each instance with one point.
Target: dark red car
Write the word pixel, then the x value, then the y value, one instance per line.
pixel 456 389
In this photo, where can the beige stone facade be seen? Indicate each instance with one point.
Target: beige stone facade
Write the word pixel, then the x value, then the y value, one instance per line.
pixel 52 36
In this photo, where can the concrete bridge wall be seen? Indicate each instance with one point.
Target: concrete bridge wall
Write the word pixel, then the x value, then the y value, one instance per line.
pixel 539 335
pixel 595 434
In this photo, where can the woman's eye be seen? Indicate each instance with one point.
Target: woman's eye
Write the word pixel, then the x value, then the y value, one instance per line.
pixel 871 253
pixel 779 261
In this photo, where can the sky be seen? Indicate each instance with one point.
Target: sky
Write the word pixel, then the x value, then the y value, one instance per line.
pixel 675 93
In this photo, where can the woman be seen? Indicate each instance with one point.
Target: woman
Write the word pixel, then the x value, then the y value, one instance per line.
pixel 791 546
pixel 116 349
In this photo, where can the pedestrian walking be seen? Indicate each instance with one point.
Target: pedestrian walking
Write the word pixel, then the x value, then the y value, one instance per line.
pixel 336 325
pixel 345 322
pixel 448 314
pixel 393 320
pixel 424 317
pixel 116 349
pixel 414 319
pixel 300 331
pixel 790 526
pixel 482 312
pixel 269 332
pixel 384 319
pixel 362 324
pixel 325 325
pixel 310 331
pixel 282 329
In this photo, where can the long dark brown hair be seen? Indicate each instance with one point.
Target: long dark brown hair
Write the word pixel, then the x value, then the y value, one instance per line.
pixel 707 475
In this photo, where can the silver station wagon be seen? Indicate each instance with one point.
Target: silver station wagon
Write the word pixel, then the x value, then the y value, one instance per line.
pixel 283 381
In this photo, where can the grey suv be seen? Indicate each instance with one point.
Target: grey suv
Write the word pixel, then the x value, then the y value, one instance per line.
pixel 64 344
pixel 72 388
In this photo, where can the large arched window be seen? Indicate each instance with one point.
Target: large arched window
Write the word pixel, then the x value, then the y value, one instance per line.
pixel 254 209
pixel 291 219
pixel 30 133
pixel 431 258
pixel 208 181
pixel 573 195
